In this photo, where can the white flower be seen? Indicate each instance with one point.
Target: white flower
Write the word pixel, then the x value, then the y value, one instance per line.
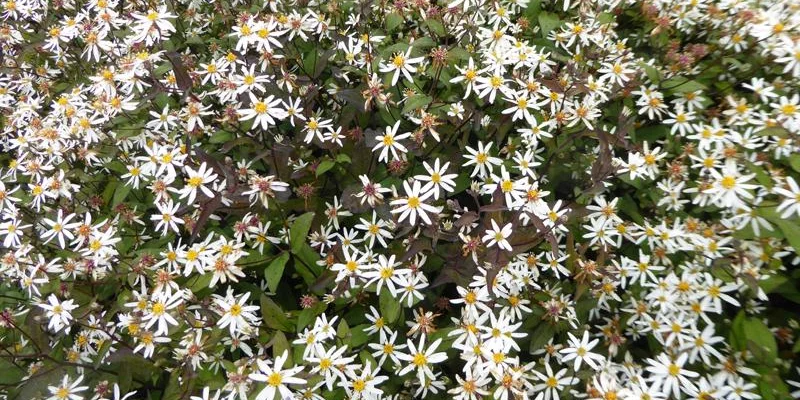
pixel 166 217
pixel 791 205
pixel 579 351
pixel 236 314
pixel 60 228
pixel 401 63
pixel 414 204
pixel 498 236
pixel 670 375
pixel 197 180
pixel 265 111
pixel 420 359
pixel 276 378
pixel 59 313
pixel 436 178
pixel 153 25
pixel 159 312
pixel 390 141
pixel 481 159
pixel 67 390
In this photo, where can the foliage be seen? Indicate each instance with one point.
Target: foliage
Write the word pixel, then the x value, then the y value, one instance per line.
pixel 363 199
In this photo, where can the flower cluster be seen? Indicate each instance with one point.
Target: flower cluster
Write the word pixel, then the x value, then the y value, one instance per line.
pixel 500 199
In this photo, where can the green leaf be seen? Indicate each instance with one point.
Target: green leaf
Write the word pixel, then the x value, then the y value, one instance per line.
pixel 393 20
pixel 606 18
pixel 221 137
pixel 752 334
pixel 324 166
pixel 274 271
pixel 761 176
pixel 778 131
pixel 120 193
pixel 532 9
pixel 415 102
pixel 423 43
pixel 791 230
pixel 548 21
pixel 11 374
pixel 651 72
pixel 390 307
pixel 173 389
pixel 310 61
pixel 436 27
pixel 680 84
pixel 794 162
pixel 280 345
pixel 343 159
pixel 343 331
pixel 273 315
pixel 299 230
pixel 308 315
pixel 541 335
pixel 358 335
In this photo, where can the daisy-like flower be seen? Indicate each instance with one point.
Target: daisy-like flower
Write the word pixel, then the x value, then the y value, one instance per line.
pixel 58 313
pixel 390 142
pixel 167 221
pixel 236 314
pixel 414 204
pixel 731 187
pixel 163 121
pixel 420 359
pixel 383 272
pixel 60 228
pixel 580 350
pixel 552 383
pixel 437 178
pixel 158 314
pixel 264 111
pixel 670 375
pixel 471 387
pixel 154 25
pixel 12 231
pixel 468 74
pixel 276 378
pixel 371 192
pixel 791 204
pixel 316 126
pixel 67 390
pixel 401 63
pixel 521 105
pixel 197 180
pixel 498 236
pixel 484 163
pixel 375 229
pixel 331 364
pixel 364 385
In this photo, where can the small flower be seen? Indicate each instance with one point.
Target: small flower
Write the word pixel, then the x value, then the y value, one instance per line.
pixel 390 142
pixel 401 63
pixel 414 204
pixel 276 378
pixel 498 236
pixel 59 313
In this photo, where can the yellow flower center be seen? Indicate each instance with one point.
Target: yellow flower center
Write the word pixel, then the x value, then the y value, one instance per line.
pixel 728 182
pixel 274 379
pixel 260 107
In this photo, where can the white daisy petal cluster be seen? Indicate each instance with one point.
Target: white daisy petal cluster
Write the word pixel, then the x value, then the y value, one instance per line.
pixel 357 199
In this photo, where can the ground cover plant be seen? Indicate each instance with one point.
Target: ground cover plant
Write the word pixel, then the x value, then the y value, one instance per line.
pixel 363 199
